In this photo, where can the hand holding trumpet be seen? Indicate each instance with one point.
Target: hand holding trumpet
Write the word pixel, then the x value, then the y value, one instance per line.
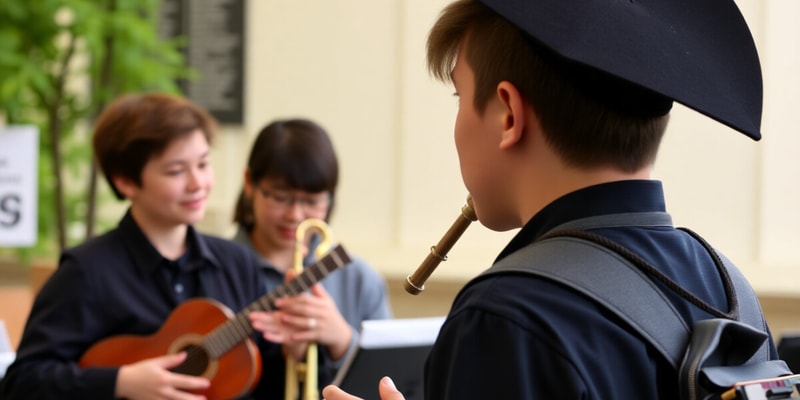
pixel 311 317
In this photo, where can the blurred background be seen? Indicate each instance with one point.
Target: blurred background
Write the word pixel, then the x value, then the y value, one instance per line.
pixel 358 68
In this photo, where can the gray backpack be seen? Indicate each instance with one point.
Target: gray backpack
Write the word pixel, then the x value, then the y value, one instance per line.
pixel 713 357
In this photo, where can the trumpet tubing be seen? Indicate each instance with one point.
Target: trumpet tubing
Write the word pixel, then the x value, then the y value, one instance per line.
pixel 311 224
pixel 298 372
pixel 415 283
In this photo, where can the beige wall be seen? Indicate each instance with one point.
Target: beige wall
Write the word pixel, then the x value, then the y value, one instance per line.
pixel 358 68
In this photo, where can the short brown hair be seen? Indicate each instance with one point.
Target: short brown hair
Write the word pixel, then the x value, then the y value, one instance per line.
pixel 134 128
pixel 586 130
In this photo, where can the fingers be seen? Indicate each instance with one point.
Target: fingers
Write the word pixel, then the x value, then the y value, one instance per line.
pixel 331 392
pixel 270 326
pixel 388 391
pixel 171 360
pixel 298 310
pixel 263 321
pixel 152 379
pixel 180 381
pixel 316 305
pixel 188 382
pixel 309 317
pixel 302 324
pixel 280 327
pixel 316 319
pixel 300 305
pixel 293 330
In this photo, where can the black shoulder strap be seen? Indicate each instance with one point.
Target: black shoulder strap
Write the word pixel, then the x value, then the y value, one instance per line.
pixel 619 285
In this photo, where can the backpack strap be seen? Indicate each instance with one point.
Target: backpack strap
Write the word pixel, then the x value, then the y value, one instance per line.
pixel 750 311
pixel 619 285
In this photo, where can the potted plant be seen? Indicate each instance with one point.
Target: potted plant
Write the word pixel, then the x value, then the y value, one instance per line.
pixel 61 62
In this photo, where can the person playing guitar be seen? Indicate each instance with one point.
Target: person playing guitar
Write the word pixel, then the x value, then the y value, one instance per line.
pixel 153 150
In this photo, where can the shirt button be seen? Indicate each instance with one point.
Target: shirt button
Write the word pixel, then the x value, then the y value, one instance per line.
pixel 178 288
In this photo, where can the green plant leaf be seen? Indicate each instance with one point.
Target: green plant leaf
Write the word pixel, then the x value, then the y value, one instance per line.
pixel 119 36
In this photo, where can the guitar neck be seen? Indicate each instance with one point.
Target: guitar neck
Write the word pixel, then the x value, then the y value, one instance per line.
pixel 227 335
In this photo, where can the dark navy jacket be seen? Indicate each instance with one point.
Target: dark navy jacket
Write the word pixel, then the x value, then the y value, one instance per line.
pixel 518 336
pixel 116 284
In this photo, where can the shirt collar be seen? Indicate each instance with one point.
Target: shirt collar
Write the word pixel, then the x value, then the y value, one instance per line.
pixel 243 236
pixel 147 259
pixel 606 198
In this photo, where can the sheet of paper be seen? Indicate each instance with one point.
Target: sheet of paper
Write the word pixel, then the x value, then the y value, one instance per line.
pixel 400 332
pixel 7 354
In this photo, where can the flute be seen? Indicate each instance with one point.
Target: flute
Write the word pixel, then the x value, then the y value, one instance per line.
pixel 415 283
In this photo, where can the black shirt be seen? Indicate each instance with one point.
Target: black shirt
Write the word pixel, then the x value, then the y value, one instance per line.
pixel 116 284
pixel 520 336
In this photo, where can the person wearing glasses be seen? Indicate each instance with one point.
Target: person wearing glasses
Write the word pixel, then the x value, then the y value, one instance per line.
pixel 291 176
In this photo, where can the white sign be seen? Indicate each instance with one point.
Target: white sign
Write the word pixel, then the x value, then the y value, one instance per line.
pixel 19 160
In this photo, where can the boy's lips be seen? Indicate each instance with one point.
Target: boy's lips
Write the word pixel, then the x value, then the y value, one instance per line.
pixel 196 203
pixel 288 233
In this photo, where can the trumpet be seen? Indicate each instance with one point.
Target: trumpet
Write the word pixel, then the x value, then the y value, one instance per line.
pixel 415 283
pixel 298 372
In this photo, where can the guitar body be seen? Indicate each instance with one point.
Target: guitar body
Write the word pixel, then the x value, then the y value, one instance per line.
pixel 233 374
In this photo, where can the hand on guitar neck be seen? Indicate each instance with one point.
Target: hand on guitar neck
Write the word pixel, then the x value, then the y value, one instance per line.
pixel 217 342
pixel 311 318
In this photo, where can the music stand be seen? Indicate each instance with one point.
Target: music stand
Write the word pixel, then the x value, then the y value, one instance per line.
pixel 391 347
pixel 789 351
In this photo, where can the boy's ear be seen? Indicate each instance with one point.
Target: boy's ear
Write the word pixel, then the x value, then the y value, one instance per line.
pixel 513 118
pixel 124 185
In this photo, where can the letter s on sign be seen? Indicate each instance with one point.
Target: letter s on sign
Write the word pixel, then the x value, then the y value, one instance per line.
pixel 10 205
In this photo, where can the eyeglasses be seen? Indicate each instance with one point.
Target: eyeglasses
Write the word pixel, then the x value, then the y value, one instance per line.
pixel 284 200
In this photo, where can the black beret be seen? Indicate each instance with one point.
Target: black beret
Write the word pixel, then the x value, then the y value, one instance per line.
pixel 643 54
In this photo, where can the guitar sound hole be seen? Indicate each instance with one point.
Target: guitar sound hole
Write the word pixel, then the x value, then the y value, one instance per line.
pixel 196 361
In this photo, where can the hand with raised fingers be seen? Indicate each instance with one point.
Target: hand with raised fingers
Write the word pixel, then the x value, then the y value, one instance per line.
pixel 386 389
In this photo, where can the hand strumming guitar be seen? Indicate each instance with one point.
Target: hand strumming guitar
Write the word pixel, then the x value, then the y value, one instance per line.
pixel 151 379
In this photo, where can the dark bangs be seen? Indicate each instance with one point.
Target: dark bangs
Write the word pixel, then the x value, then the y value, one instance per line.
pixel 297 153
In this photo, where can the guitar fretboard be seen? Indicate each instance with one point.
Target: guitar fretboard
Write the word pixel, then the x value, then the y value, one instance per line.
pixel 229 334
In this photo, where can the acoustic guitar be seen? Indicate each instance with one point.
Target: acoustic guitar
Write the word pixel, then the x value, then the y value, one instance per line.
pixel 217 342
